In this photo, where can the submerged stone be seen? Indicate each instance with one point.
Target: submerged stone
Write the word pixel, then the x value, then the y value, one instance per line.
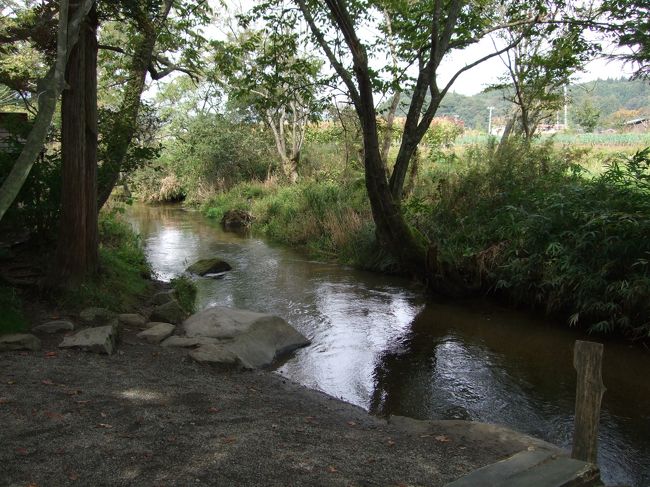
pixel 209 266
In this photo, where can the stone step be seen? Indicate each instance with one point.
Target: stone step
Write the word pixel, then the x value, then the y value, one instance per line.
pixel 536 468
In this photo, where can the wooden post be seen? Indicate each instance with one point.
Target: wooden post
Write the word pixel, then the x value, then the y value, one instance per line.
pixel 588 361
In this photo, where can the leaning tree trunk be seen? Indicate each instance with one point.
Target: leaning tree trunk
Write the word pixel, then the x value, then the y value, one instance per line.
pixel 77 250
pixel 49 90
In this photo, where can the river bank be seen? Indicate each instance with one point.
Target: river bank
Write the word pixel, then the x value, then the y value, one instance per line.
pixel 149 416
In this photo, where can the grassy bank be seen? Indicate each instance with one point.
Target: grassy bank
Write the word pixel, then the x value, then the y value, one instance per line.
pixel 328 219
pixel 124 273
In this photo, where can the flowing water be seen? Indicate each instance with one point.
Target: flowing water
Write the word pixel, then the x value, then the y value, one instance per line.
pixel 380 343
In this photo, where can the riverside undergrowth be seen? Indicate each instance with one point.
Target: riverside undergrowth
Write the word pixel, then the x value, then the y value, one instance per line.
pixel 528 222
pixel 329 219
pixel 124 275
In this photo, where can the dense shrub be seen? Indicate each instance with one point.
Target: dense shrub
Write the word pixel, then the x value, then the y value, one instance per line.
pixel 528 222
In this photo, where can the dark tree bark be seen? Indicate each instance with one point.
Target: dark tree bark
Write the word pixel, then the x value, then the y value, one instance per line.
pixel 77 251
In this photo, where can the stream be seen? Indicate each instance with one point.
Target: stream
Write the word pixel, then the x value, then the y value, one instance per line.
pixel 379 342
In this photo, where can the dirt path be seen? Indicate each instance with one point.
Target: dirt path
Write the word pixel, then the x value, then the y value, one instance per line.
pixel 149 416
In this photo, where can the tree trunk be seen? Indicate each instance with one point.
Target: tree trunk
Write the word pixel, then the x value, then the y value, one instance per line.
pixel 77 250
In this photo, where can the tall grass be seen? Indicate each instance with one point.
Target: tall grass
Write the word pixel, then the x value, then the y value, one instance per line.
pixel 328 219
pixel 529 223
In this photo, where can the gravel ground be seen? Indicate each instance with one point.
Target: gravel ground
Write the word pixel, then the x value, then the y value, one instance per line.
pixel 150 416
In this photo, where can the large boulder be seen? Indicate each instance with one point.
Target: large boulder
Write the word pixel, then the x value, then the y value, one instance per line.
pixel 170 312
pixel 19 341
pixel 209 266
pixel 236 219
pixel 251 340
pixel 99 339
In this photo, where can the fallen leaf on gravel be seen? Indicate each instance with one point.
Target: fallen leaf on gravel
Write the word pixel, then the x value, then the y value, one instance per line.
pixel 72 475
pixel 351 423
pixel 332 469
pixel 442 438
pixel 50 354
pixel 47 382
pixel 22 451
pixel 229 439
pixel 104 425
pixel 213 410
pixel 73 392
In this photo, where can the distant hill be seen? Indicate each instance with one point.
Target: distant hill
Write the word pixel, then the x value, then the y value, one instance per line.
pixel 607 95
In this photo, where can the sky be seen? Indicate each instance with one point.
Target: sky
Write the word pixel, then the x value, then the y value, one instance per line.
pixel 477 79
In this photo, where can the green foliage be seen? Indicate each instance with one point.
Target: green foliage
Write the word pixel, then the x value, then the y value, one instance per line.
pixel 209 153
pixel 528 223
pixel 36 208
pixel 124 272
pixel 185 291
pixel 11 319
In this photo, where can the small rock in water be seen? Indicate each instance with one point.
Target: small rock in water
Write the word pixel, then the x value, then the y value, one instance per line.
pixel 55 326
pixel 170 312
pixel 209 266
pixel 100 339
pixel 131 319
pixel 19 341
pixel 157 333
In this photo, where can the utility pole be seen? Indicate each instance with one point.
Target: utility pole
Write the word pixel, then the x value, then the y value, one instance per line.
pixel 566 110
pixel 490 121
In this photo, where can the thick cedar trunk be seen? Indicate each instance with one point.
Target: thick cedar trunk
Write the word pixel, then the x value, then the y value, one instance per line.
pixel 77 249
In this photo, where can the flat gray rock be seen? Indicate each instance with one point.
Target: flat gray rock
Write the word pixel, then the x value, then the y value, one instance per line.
pixel 19 341
pixel 170 312
pixel 55 326
pixel 100 339
pixel 256 339
pixel 188 342
pixel 157 333
pixel 132 319
pixel 97 316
